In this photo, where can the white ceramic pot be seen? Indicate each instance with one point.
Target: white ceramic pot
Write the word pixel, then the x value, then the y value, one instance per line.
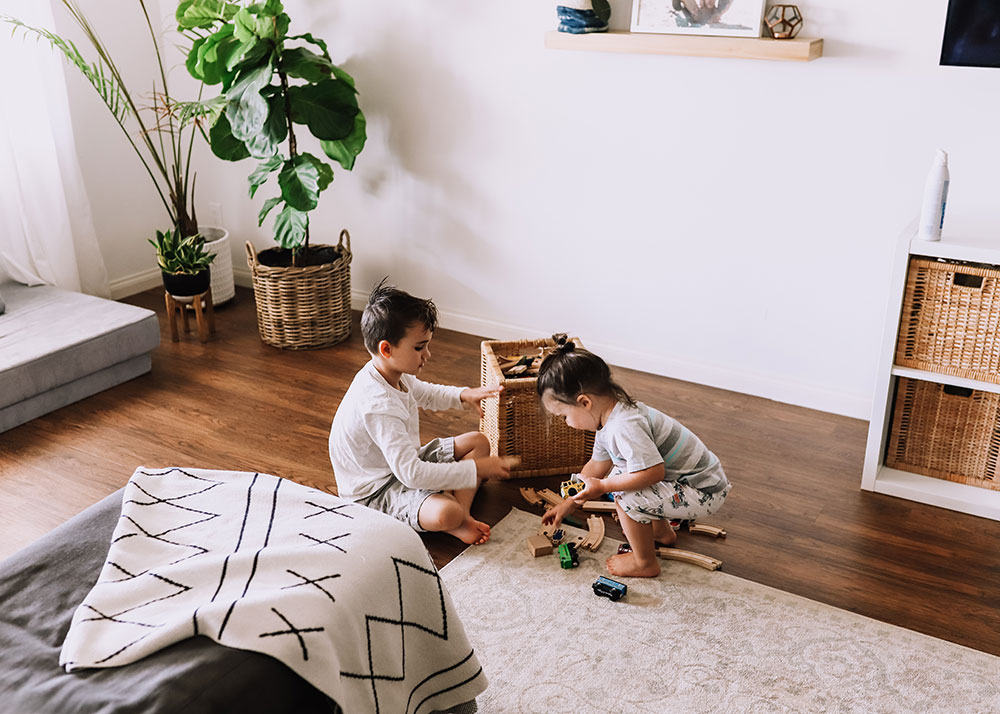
pixel 217 242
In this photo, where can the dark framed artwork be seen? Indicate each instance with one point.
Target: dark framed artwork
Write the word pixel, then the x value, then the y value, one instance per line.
pixel 972 34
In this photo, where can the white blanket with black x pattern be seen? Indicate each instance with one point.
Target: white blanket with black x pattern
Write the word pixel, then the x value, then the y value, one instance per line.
pixel 345 596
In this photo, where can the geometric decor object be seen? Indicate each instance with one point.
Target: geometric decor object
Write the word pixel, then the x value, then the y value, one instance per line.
pixel 783 21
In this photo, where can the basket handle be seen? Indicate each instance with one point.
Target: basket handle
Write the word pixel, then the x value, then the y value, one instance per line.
pixel 956 391
pixel 966 280
pixel 251 255
pixel 340 243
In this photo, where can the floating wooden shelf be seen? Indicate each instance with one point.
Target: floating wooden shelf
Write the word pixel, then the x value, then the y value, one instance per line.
pixel 801 49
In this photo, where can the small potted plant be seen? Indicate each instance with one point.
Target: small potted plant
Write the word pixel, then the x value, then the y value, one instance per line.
pixel 184 262
pixel 278 89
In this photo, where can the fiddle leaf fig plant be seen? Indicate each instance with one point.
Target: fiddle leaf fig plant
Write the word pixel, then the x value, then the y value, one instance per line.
pixel 271 83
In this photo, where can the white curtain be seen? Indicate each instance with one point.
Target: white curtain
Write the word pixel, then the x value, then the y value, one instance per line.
pixel 47 234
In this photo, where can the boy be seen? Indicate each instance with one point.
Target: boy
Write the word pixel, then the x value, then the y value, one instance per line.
pixel 375 440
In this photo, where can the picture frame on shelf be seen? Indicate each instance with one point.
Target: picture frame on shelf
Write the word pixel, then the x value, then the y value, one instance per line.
pixel 720 18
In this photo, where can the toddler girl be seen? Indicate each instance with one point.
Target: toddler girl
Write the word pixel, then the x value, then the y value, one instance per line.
pixel 655 467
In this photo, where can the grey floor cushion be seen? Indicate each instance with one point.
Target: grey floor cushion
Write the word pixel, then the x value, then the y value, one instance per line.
pixel 57 347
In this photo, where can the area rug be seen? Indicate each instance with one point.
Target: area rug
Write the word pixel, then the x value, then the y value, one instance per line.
pixel 691 640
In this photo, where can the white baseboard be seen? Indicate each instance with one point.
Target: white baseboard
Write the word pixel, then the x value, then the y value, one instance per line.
pixel 743 381
pixel 243 277
pixel 147 279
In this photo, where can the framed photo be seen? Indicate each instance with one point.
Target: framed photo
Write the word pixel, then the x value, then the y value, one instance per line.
pixel 972 34
pixel 731 18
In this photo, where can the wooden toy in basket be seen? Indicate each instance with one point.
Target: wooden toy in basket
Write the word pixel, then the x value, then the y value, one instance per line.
pixel 515 422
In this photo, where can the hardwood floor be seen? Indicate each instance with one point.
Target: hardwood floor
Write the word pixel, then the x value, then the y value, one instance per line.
pixel 796 518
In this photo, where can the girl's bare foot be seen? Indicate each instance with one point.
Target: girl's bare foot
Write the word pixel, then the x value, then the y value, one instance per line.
pixel 663 533
pixel 626 564
pixel 472 531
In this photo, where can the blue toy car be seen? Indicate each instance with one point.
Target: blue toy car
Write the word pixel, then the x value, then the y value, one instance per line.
pixel 611 589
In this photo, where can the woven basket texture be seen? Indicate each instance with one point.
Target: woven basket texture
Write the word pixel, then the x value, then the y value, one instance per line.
pixel 517 425
pixel 304 308
pixel 946 432
pixel 950 319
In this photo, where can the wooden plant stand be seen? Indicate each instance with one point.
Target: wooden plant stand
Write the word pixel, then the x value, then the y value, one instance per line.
pixel 204 313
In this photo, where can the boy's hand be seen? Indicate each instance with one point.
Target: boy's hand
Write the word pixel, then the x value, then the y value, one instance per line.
pixel 555 514
pixel 475 395
pixel 495 466
pixel 595 488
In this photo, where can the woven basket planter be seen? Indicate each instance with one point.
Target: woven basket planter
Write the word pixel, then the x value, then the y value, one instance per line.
pixel 516 424
pixel 303 308
pixel 946 432
pixel 951 320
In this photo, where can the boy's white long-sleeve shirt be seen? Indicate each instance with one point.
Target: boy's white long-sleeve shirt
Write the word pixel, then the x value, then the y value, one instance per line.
pixel 376 436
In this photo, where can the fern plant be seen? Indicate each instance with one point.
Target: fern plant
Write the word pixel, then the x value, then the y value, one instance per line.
pixel 176 253
pixel 155 132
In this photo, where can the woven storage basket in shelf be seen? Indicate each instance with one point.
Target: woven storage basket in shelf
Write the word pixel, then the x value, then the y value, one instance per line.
pixel 304 308
pixel 950 320
pixel 517 425
pixel 946 432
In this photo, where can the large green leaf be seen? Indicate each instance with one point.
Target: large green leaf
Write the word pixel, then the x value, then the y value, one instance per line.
pixel 307 65
pixel 324 170
pixel 312 40
pixel 224 144
pixel 345 151
pixel 245 26
pixel 327 108
pixel 290 227
pixel 216 55
pixel 246 109
pixel 268 205
pixel 202 14
pixel 262 172
pixel 299 183
pixel 265 143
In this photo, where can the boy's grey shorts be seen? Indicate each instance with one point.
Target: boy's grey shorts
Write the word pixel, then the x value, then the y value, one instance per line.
pixel 403 503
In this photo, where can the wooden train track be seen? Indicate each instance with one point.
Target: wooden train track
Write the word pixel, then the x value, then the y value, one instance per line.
pixel 686 556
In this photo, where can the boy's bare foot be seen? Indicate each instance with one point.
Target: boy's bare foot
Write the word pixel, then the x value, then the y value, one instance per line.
pixel 663 533
pixel 472 531
pixel 626 564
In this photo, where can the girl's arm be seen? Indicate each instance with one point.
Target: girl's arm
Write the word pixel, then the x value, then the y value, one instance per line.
pixel 595 469
pixel 635 481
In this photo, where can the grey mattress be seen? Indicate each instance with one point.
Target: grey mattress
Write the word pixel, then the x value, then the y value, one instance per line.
pixel 42 585
pixel 51 337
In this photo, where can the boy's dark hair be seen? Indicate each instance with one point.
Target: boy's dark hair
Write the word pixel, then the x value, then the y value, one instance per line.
pixel 389 313
pixel 571 371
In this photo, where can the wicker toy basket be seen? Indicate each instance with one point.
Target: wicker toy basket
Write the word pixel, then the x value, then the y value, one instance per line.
pixel 517 425
pixel 951 433
pixel 304 308
pixel 950 319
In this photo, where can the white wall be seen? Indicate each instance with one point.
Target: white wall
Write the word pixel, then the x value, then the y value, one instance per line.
pixel 728 222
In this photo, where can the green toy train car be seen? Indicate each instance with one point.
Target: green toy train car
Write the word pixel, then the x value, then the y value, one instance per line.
pixel 568 557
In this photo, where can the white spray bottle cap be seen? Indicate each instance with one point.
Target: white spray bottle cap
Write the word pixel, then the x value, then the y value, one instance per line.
pixel 941 157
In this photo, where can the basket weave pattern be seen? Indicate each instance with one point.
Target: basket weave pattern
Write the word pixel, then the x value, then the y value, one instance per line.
pixel 517 425
pixel 304 308
pixel 949 320
pixel 945 432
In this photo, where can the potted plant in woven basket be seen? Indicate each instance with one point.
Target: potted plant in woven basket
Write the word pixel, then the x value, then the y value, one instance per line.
pixel 161 132
pixel 272 83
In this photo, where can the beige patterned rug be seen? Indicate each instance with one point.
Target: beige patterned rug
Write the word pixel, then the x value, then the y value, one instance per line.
pixel 689 641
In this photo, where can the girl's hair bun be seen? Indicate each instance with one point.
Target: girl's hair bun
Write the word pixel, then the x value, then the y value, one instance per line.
pixel 563 343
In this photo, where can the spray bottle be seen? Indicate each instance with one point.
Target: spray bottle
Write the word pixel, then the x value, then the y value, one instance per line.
pixel 935 199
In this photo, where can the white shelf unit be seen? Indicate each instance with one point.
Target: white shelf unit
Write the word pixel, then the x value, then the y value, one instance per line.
pixel 877 476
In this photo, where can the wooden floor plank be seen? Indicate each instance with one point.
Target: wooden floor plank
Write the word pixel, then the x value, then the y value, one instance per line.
pixel 796 519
